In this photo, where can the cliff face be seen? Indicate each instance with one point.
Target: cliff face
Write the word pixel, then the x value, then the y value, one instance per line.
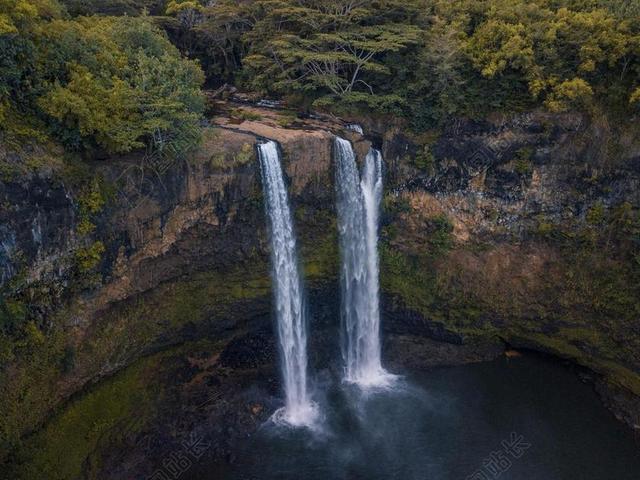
pixel 525 228
pixel 134 255
pixel 520 229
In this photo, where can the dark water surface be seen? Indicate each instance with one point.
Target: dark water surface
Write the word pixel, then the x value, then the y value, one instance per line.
pixel 528 418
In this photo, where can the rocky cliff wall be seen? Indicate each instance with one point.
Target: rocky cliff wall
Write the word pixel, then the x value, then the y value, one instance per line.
pixel 520 230
pixel 524 228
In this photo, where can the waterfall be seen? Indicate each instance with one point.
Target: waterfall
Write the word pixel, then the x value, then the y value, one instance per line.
pixel 358 207
pixel 288 292
pixel 354 127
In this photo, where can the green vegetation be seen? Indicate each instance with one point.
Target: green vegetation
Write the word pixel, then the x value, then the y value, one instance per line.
pixel 113 84
pixel 117 83
pixel 159 318
pixel 241 115
pixel 114 7
pixel 70 445
pixel 425 59
pixel 40 359
pixel 221 161
pixel 89 257
pixel 117 407
pixel 587 301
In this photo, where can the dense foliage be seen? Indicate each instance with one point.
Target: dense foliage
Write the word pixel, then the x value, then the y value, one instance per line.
pixel 115 83
pixel 424 58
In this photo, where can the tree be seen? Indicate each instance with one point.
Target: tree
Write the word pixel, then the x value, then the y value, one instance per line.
pixel 114 7
pixel 188 14
pixel 187 11
pixel 326 47
pixel 217 38
pixel 575 93
pixel 119 84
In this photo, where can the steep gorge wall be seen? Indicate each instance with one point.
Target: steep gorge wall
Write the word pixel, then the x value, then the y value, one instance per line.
pixel 525 228
pixel 506 229
pixel 182 255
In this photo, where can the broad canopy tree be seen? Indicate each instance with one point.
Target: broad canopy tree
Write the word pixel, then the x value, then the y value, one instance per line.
pixel 323 48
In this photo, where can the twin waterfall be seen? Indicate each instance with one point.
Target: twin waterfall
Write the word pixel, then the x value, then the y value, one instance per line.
pixel 289 301
pixel 358 207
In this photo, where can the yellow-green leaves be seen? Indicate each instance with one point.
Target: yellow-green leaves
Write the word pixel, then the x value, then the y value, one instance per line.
pixel 113 83
pixel 14 14
pixel 20 15
pixel 176 6
pixel 121 85
pixel 575 93
pixel 561 53
pixel 497 45
pixel 105 108
pixel 88 258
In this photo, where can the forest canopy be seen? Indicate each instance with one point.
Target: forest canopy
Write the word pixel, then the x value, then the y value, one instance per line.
pixel 425 60
pixel 115 83
pixel 428 59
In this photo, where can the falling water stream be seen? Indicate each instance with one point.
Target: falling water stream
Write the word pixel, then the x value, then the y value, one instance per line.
pixel 358 206
pixel 299 409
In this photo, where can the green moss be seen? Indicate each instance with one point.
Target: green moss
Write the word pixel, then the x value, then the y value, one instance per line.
pixel 242 115
pixel 245 155
pixel 596 214
pixel 552 344
pixel 26 392
pixel 557 345
pixel 88 258
pixel 587 300
pixel 108 414
pixel 399 276
pixel 321 260
pixel 622 376
pixel 152 320
pixel 116 407
pixel 134 325
pixel 440 239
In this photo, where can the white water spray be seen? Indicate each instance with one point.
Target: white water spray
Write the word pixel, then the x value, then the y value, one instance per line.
pixel 299 410
pixel 358 207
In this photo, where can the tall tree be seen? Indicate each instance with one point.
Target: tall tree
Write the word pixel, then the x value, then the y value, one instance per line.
pixel 326 47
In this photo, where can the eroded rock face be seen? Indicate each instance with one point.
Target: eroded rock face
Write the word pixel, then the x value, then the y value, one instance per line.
pixel 183 255
pixel 511 228
pixel 36 226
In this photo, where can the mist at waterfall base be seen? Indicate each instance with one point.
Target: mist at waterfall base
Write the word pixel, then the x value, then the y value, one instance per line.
pixel 299 409
pixel 358 203
pixel 528 418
